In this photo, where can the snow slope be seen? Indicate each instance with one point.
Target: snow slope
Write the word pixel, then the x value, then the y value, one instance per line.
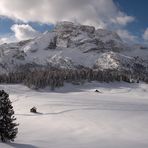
pixel 78 117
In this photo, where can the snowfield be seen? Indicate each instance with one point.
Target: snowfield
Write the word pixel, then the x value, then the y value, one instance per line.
pixel 78 117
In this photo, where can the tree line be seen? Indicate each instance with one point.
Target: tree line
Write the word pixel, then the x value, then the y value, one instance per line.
pixel 42 77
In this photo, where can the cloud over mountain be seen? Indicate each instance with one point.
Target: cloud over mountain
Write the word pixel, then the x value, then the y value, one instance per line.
pixel 24 31
pixel 145 35
pixel 126 35
pixel 100 13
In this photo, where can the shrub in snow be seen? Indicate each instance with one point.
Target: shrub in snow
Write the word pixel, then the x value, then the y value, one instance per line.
pixel 8 129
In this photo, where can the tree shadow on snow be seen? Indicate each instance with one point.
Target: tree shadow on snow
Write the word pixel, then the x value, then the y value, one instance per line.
pixel 20 145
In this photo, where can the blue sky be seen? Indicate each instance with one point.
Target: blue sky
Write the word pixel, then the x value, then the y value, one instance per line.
pixel 127 17
pixel 6 23
pixel 138 9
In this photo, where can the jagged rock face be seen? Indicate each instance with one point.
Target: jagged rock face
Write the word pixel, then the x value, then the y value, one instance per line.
pixel 73 29
pixel 70 35
pixel 106 35
pixel 86 38
pixel 69 46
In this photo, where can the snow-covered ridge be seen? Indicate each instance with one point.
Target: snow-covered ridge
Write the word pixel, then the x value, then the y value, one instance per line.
pixel 70 45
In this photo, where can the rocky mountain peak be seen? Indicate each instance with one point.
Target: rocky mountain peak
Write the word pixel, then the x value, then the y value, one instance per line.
pixel 71 27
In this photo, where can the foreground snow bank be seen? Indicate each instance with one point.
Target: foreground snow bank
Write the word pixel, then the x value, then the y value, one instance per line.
pixel 78 117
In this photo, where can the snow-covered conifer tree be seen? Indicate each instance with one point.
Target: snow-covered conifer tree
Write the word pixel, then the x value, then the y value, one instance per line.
pixel 8 129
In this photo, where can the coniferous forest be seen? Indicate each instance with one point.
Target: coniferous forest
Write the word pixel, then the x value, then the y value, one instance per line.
pixel 38 77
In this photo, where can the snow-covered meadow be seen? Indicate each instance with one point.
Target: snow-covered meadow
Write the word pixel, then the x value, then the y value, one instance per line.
pixel 79 117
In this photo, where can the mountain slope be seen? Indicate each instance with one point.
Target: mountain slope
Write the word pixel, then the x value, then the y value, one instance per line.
pixel 71 45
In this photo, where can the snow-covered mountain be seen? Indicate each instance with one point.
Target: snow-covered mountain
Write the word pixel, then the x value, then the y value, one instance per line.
pixel 71 45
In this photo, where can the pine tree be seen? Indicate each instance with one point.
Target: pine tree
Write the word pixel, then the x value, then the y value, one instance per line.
pixel 8 129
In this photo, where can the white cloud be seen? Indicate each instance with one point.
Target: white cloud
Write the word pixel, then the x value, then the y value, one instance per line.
pixel 7 39
pixel 123 20
pixel 145 35
pixel 101 13
pixel 3 40
pixel 126 36
pixel 24 31
pixel 21 32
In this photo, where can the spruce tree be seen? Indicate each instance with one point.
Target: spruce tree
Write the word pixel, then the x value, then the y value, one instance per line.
pixel 8 129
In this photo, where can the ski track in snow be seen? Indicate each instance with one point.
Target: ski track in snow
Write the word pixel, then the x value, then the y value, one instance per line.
pixel 101 105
